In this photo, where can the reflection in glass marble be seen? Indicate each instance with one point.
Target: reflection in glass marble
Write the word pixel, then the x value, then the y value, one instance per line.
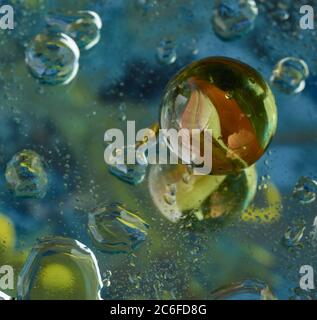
pixel 178 194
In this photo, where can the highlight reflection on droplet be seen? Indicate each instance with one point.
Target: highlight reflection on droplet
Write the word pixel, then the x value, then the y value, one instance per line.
pixel 53 58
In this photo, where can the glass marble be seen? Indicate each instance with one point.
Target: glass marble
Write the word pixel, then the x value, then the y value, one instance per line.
pixel 166 52
pixel 246 290
pixel 82 26
pixel 234 18
pixel 289 75
pixel 228 97
pixel 53 58
pixel 114 229
pixel 26 175
pixel 305 190
pixel 60 268
pixel 179 194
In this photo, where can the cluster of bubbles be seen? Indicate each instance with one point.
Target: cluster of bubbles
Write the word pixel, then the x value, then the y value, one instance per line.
pixel 64 268
pixel 233 19
pixel 53 56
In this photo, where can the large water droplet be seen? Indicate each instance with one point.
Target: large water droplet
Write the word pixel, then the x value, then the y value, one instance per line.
pixel 53 58
pixel 114 229
pixel 60 268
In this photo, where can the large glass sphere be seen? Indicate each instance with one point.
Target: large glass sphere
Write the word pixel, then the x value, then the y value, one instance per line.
pixel 228 97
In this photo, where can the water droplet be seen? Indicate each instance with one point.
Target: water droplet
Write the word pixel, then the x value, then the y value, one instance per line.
pixel 170 195
pixel 294 235
pixel 280 15
pixel 60 268
pixel 166 52
pixel 114 229
pixel 313 233
pixel 53 58
pixel 122 112
pixel 289 75
pixel 106 278
pixel 130 173
pixel 26 176
pixel 305 190
pixel 246 290
pixel 233 18
pixel 229 95
pixel 83 26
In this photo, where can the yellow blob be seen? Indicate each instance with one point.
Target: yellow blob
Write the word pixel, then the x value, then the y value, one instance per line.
pixel 7 235
pixel 58 279
pixel 269 214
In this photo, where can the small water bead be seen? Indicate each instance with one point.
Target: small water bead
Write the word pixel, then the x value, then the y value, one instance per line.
pixel 53 58
pixel 305 190
pixel 83 26
pixel 107 278
pixel 229 98
pixel 289 75
pixel 131 173
pixel 203 198
pixel 26 176
pixel 170 195
pixel 60 268
pixel 313 233
pixel 166 52
pixel 294 235
pixel 232 18
pixel 114 229
pixel 246 290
